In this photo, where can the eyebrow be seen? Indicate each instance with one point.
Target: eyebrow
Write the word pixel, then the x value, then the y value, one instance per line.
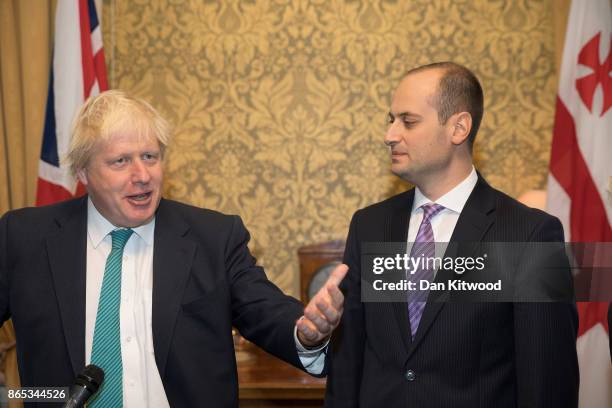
pixel 405 115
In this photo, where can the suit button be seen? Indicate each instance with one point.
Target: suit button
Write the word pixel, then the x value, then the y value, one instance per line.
pixel 410 375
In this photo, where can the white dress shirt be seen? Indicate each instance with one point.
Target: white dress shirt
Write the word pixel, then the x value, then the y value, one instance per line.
pixel 442 224
pixel 142 385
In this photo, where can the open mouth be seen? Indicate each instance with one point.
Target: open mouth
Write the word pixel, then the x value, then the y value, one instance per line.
pixel 141 198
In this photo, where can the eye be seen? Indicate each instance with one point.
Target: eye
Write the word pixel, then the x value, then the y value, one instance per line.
pixel 118 162
pixel 390 118
pixel 150 156
pixel 408 123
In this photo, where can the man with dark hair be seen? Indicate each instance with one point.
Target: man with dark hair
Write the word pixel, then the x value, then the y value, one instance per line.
pixel 425 353
pixel 458 91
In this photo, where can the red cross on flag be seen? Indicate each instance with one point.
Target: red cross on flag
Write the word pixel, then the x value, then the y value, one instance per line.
pixel 580 179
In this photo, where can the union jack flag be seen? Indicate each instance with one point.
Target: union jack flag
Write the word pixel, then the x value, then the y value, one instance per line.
pixel 78 72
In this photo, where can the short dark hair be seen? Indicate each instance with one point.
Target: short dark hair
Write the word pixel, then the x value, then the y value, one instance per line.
pixel 458 91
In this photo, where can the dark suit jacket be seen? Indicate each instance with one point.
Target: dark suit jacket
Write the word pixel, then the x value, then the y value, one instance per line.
pixel 463 355
pixel 204 281
pixel 610 326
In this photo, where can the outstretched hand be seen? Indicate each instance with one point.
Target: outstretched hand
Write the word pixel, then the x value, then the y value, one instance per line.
pixel 323 312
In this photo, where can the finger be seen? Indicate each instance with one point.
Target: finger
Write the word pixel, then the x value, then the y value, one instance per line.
pixel 330 313
pixel 336 296
pixel 307 329
pixel 337 275
pixel 321 324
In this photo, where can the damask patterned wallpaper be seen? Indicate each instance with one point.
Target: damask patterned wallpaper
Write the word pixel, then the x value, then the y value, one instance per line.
pixel 279 107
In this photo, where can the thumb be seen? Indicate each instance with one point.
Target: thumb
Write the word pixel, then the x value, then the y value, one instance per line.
pixel 337 275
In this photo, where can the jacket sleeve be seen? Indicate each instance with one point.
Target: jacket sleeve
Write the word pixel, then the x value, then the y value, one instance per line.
pixel 545 336
pixel 260 311
pixel 4 269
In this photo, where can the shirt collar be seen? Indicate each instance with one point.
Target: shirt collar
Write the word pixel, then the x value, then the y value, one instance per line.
pixel 454 200
pixel 99 227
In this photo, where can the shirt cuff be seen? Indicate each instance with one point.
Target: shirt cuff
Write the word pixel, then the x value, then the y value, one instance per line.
pixel 313 360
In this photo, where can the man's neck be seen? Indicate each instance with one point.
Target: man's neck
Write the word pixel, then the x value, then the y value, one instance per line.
pixel 436 185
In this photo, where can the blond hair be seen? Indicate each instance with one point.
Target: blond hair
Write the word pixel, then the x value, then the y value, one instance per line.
pixel 107 114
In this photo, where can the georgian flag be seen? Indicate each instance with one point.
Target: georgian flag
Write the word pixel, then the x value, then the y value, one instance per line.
pixel 78 72
pixel 580 179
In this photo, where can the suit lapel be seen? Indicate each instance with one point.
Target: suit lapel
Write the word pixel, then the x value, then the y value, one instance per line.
pixel 67 251
pixel 396 230
pixel 475 220
pixel 172 259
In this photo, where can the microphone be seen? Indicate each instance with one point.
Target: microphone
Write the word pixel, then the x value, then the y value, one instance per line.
pixel 85 385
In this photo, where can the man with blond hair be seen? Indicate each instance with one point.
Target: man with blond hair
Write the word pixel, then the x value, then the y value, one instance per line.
pixel 146 288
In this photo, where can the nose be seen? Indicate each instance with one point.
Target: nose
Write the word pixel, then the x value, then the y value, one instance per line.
pixel 140 172
pixel 393 136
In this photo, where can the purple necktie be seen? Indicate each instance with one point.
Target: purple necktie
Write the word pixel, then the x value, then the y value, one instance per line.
pixel 424 246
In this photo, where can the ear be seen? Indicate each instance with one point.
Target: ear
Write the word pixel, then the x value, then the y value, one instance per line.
pixel 82 176
pixel 462 124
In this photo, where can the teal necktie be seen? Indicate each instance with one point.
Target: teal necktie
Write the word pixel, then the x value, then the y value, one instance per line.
pixel 106 349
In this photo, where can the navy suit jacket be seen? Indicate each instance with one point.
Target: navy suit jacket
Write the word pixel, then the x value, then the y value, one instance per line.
pixel 464 354
pixel 204 281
